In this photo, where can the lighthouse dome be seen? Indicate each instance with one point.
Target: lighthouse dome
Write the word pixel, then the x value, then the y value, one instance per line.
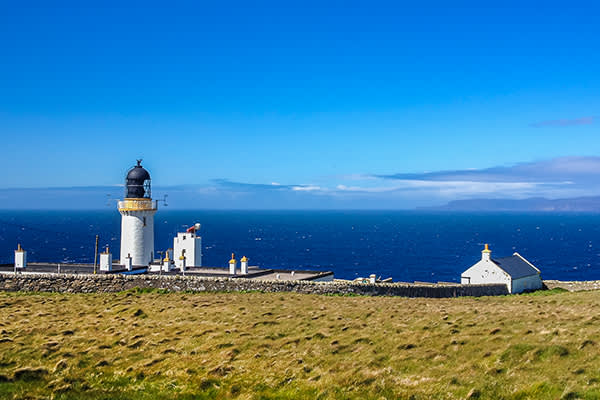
pixel 137 182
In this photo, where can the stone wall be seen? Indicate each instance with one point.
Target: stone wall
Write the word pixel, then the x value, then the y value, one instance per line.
pixel 71 283
pixel 572 286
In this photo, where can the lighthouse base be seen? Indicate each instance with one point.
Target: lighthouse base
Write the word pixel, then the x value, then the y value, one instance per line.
pixel 137 236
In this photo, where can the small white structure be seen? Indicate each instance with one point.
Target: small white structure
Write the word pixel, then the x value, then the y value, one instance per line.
pixel 182 263
pixel 244 265
pixel 188 244
pixel 232 265
pixel 515 271
pixel 106 261
pixel 137 222
pixel 20 257
pixel 167 264
pixel 128 263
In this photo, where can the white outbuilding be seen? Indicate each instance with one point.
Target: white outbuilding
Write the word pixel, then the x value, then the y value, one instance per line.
pixel 515 271
pixel 188 245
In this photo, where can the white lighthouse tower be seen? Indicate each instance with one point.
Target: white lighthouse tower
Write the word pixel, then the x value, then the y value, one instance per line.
pixel 137 222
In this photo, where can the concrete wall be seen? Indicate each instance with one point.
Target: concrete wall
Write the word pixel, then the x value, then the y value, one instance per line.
pixel 533 282
pixel 114 283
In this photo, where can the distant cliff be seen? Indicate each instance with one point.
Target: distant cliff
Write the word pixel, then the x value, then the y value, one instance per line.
pixel 580 204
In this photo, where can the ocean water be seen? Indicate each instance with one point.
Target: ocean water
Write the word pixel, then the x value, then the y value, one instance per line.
pixel 406 246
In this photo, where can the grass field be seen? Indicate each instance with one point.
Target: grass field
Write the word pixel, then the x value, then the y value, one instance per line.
pixel 287 346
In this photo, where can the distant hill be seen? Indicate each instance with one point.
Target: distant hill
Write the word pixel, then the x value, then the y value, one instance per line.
pixel 580 204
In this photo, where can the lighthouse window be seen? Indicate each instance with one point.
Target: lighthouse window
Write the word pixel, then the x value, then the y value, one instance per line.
pixel 144 221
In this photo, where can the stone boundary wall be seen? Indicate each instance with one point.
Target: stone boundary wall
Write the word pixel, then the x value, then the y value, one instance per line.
pixel 71 283
pixel 572 286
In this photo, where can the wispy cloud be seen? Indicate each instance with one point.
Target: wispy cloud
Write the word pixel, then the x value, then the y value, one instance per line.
pixel 563 122
pixel 557 170
pixel 443 187
pixel 306 188
pixel 226 183
pixel 257 187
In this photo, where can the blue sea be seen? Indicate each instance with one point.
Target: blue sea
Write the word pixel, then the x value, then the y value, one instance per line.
pixel 407 246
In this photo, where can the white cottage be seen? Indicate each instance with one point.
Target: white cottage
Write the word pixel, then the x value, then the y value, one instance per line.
pixel 515 271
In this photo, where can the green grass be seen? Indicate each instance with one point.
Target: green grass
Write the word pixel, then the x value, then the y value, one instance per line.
pixel 549 292
pixel 143 344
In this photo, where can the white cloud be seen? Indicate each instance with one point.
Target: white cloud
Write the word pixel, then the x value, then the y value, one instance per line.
pixel 306 188
pixel 575 169
pixel 450 188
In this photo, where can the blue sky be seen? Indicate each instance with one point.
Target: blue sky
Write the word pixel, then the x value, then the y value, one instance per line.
pixel 316 104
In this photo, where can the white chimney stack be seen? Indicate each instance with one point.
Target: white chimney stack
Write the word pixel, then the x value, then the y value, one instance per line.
pixel 106 260
pixel 486 253
pixel 244 265
pixel 232 264
pixel 20 257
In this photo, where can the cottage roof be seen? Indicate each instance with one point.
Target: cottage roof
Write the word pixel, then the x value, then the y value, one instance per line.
pixel 516 266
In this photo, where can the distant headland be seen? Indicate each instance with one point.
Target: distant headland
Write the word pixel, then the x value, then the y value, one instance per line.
pixel 533 204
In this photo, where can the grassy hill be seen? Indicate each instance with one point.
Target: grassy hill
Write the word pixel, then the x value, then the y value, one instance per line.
pixel 136 345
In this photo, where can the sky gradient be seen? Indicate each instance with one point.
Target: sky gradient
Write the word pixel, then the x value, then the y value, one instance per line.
pixel 328 104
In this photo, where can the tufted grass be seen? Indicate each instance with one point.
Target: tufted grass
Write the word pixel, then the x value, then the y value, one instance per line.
pixel 154 345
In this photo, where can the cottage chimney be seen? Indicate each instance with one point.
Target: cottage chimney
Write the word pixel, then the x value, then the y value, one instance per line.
pixel 486 253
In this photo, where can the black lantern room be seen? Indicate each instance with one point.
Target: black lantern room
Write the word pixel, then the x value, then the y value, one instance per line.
pixel 137 183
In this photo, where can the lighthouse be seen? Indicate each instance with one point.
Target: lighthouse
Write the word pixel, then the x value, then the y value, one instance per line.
pixel 137 217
